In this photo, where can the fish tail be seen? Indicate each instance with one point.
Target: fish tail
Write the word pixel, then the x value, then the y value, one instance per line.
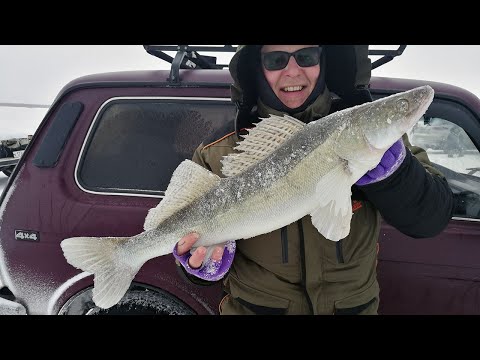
pixel 106 258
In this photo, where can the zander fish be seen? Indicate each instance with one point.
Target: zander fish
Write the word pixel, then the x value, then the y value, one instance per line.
pixel 283 170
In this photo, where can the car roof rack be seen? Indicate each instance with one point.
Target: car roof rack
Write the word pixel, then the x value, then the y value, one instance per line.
pixel 386 55
pixel 188 57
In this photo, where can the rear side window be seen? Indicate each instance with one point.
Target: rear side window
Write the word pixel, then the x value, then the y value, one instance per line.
pixel 134 145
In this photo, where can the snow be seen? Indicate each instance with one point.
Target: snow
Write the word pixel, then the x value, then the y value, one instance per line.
pixel 19 122
pixel 461 164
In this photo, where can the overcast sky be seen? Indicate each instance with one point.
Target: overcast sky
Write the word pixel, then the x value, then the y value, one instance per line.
pixel 36 73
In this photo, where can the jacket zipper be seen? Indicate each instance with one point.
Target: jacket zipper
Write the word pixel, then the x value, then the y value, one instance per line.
pixel 283 237
pixel 302 261
pixel 339 249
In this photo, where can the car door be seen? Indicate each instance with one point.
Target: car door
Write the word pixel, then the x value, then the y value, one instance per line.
pixel 439 275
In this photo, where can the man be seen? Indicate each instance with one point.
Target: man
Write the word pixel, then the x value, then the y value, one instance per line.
pixel 295 270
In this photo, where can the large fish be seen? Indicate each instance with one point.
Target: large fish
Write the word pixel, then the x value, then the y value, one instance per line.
pixel 283 170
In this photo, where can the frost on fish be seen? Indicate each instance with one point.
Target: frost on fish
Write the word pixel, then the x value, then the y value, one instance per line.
pixel 260 142
pixel 286 170
pixel 188 175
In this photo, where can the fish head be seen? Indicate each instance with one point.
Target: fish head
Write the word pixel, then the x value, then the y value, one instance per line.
pixel 372 128
pixel 391 117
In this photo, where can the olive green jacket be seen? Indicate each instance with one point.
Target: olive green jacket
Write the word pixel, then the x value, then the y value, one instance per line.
pixel 296 270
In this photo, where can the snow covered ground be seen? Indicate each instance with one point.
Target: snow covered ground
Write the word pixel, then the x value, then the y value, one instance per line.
pixel 19 122
pixel 461 164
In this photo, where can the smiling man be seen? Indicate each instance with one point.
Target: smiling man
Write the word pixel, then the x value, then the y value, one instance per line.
pixel 292 73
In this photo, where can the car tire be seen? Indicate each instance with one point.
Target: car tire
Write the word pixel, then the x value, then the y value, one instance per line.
pixel 138 300
pixel 145 303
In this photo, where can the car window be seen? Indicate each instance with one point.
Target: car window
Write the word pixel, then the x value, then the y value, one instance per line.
pixel 450 133
pixel 135 144
pixel 451 150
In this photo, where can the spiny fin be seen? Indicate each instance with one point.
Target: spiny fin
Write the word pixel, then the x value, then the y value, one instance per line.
pixel 189 181
pixel 333 214
pixel 104 257
pixel 261 141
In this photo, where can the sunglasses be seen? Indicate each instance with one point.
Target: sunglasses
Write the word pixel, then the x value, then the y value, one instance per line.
pixel 277 60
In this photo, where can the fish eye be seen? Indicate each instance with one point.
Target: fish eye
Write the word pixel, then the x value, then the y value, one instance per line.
pixel 402 105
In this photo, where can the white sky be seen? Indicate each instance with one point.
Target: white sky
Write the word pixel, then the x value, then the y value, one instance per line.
pixel 36 73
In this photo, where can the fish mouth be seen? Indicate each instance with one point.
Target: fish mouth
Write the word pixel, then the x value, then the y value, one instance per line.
pixel 428 93
pixel 425 96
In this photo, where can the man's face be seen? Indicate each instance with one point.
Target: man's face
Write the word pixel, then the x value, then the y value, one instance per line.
pixel 292 84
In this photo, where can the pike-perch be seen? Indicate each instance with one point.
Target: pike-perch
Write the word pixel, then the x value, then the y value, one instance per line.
pixel 283 170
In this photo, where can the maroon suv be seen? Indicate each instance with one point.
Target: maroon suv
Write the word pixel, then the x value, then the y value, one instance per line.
pixel 103 156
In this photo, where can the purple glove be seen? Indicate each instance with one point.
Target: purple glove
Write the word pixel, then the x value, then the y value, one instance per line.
pixel 391 161
pixel 210 270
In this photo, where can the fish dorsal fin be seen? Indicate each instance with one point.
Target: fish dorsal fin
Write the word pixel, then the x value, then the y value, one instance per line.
pixel 189 181
pixel 260 142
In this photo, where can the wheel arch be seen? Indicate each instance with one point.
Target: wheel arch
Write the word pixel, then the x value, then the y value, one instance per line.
pixel 140 299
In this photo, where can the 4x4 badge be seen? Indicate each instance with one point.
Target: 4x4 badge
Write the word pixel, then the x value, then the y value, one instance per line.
pixel 27 235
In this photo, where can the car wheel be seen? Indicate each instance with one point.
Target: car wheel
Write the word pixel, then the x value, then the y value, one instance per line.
pixel 145 303
pixel 138 300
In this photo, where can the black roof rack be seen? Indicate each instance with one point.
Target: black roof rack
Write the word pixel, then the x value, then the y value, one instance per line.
pixel 188 57
pixel 386 55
